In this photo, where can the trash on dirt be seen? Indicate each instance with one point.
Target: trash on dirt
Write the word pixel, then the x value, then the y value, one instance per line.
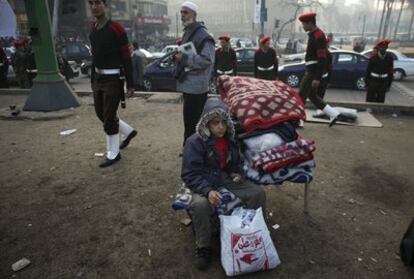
pixel 52 168
pixel 352 201
pixel 171 196
pixel 79 275
pixel 374 260
pixel 394 115
pixel 362 142
pixel 311 262
pixel 359 259
pixel 20 264
pixel 354 218
pixel 29 225
pixel 68 132
pixel 343 214
pixel 29 170
pixel 383 212
pixel 89 206
pixel 185 221
pixel 99 154
pixel 271 214
pixel 149 252
pixel 276 226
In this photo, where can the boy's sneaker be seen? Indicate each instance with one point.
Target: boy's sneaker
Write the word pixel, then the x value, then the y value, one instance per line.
pixel 202 258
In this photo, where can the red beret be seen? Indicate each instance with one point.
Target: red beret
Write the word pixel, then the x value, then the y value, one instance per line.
pixel 328 39
pixel 383 43
pixel 264 40
pixel 307 17
pixel 179 41
pixel 224 38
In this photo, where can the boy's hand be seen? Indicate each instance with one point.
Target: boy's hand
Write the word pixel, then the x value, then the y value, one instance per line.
pixel 214 198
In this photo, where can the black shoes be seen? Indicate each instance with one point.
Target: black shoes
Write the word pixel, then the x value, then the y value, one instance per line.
pixel 109 162
pixel 126 141
pixel 202 258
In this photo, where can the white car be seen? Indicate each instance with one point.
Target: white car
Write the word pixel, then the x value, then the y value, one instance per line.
pixel 403 65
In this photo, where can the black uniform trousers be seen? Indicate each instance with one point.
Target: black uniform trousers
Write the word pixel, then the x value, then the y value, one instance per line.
pixel 376 90
pixel 266 75
pixel 322 87
pixel 192 108
pixel 307 91
pixel 107 96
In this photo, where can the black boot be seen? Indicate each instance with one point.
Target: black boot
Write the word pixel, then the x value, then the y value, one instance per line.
pixel 126 141
pixel 109 162
pixel 202 258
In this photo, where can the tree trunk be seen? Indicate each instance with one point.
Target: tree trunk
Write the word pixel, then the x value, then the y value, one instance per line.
pixel 387 19
pixel 398 20
pixel 282 27
pixel 382 19
pixel 411 23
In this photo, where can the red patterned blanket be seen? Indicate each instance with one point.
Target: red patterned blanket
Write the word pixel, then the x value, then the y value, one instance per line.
pixel 260 104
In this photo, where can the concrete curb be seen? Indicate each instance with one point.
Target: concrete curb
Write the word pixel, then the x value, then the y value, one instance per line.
pixel 373 107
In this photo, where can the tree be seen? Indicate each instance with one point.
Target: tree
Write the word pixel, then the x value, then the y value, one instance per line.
pixel 298 5
pixel 398 19
pixel 411 3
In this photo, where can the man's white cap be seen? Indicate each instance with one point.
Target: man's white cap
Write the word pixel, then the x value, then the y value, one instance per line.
pixel 190 5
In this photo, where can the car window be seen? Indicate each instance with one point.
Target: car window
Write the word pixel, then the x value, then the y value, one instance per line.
pixel 84 49
pixel 250 54
pixel 73 49
pixel 345 58
pixel 362 59
pixel 240 54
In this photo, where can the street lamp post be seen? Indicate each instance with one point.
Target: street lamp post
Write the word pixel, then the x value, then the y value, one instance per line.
pixel 50 91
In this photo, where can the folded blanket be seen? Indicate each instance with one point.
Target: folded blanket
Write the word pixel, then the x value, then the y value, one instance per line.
pixel 282 155
pixel 229 201
pixel 347 114
pixel 300 173
pixel 263 142
pixel 260 104
pixel 286 130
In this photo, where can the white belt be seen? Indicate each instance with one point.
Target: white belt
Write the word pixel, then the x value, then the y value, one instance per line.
pixel 31 71
pixel 311 62
pixel 107 71
pixel 1 64
pixel 266 69
pixel 225 72
pixel 325 75
pixel 379 75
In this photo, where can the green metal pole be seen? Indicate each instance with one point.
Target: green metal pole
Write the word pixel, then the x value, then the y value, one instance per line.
pixel 50 91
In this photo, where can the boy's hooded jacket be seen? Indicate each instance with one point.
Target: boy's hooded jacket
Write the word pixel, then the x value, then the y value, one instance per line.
pixel 201 169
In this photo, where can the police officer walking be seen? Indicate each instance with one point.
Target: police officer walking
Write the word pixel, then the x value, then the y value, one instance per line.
pixel 379 73
pixel 226 59
pixel 316 66
pixel 265 61
pixel 111 62
pixel 4 68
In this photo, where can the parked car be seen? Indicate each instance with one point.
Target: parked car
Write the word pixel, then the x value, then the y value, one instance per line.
pixel 245 61
pixel 348 70
pixel 158 75
pixel 403 65
pixel 299 57
pixel 75 51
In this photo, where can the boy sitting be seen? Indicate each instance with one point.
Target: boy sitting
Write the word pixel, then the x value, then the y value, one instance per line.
pixel 210 161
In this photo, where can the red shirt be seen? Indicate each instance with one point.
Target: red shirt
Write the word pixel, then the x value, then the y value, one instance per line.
pixel 222 147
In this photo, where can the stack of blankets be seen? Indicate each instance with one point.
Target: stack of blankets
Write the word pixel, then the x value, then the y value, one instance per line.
pixel 269 113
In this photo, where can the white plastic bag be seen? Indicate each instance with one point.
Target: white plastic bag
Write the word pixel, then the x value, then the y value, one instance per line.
pixel 246 245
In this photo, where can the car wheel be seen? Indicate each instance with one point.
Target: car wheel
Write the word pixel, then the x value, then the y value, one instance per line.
pixel 360 83
pixel 293 80
pixel 398 74
pixel 147 85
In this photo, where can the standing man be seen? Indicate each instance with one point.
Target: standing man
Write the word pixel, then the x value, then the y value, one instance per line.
pixel 326 77
pixel 4 69
pixel 193 70
pixel 111 62
pixel 316 65
pixel 265 61
pixel 137 67
pixel 19 61
pixel 225 58
pixel 379 73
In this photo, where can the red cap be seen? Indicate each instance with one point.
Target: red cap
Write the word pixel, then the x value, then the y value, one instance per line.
pixel 179 41
pixel 383 43
pixel 18 43
pixel 307 17
pixel 224 38
pixel 328 39
pixel 264 39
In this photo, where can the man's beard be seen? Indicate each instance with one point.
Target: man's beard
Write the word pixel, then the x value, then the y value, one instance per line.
pixel 187 23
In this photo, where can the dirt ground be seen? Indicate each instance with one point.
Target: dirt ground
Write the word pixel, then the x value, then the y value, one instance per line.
pixel 74 220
